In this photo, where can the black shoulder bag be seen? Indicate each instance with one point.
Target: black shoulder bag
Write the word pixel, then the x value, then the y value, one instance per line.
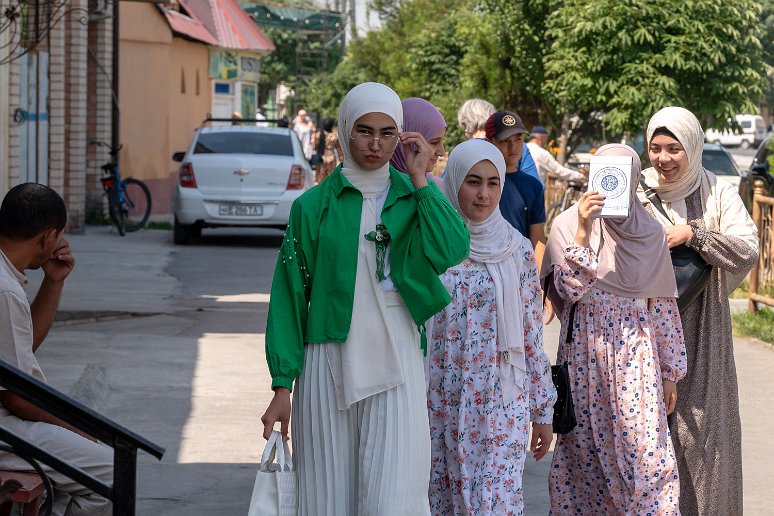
pixel 564 409
pixel 692 272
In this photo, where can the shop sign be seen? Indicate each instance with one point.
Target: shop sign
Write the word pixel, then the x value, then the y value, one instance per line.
pixel 234 65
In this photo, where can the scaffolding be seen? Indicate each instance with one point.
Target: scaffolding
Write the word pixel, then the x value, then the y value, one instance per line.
pixel 318 31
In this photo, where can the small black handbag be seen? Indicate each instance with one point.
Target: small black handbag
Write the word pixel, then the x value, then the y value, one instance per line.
pixel 564 409
pixel 692 272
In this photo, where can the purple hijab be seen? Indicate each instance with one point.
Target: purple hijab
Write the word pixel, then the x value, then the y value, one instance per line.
pixel 422 117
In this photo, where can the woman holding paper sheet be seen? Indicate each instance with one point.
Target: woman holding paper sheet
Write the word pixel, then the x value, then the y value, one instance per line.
pixel 709 217
pixel 611 279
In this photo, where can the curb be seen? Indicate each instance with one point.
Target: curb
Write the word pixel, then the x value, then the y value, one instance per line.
pixel 65 318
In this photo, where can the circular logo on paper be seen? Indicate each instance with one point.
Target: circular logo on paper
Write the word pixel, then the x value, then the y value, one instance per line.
pixel 509 120
pixel 611 182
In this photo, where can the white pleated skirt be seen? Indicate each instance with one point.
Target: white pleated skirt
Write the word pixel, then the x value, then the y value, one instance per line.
pixel 372 459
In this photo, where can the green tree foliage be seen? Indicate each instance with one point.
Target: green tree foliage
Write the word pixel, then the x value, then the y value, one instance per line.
pixel 324 93
pixel 767 38
pixel 632 58
pixel 550 60
pixel 504 62
pixel 418 53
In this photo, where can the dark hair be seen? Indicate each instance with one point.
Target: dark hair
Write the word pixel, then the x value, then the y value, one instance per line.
pixel 327 124
pixel 30 209
pixel 663 130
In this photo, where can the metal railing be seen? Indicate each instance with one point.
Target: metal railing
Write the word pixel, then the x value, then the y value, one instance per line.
pixel 762 274
pixel 124 442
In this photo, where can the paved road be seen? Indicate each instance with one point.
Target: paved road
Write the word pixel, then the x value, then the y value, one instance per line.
pixel 173 349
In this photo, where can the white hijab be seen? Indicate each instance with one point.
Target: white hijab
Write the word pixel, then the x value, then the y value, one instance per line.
pixel 369 97
pixel 368 362
pixel 495 243
pixel 722 208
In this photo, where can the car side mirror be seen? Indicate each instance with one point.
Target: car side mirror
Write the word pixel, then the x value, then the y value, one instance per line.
pixel 178 156
pixel 759 169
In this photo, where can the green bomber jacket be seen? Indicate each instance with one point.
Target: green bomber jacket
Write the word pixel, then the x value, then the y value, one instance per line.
pixel 312 293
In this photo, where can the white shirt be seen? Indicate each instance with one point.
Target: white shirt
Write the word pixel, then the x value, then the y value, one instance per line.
pixel 16 323
pixel 546 163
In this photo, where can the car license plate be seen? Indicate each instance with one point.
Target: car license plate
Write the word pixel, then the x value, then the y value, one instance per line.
pixel 241 210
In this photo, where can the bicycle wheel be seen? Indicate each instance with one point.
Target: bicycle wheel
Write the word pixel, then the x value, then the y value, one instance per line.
pixel 551 214
pixel 137 203
pixel 115 211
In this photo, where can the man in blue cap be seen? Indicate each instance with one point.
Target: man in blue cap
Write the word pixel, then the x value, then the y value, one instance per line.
pixel 545 161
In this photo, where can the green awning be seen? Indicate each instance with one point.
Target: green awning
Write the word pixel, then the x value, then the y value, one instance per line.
pixel 295 19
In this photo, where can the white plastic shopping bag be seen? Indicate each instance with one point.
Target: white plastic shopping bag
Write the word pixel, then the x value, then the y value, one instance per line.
pixel 275 492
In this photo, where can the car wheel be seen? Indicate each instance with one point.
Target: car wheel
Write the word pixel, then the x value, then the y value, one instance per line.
pixel 745 144
pixel 182 234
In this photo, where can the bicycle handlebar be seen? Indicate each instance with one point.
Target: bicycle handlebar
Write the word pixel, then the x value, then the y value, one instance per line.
pixel 113 151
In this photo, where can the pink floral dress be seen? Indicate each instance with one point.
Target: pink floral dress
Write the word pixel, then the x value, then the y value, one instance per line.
pixel 478 445
pixel 619 459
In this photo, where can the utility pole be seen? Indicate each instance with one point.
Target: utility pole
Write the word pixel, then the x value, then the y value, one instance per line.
pixel 115 133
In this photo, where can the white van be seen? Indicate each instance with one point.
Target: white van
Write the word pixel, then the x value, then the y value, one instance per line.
pixel 751 132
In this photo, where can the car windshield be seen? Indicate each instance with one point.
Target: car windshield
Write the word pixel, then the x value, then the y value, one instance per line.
pixel 244 142
pixel 718 162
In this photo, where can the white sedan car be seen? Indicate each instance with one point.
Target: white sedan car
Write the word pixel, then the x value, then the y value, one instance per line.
pixel 238 175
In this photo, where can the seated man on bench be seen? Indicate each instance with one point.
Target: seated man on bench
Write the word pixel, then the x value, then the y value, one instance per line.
pixel 32 221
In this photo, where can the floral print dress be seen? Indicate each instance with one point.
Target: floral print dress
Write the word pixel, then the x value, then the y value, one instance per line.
pixel 478 444
pixel 619 460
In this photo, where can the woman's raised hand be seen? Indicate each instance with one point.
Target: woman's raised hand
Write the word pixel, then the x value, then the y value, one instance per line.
pixel 589 206
pixel 417 153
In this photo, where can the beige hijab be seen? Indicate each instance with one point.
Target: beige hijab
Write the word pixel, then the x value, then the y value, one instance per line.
pixel 634 259
pixel 723 210
pixel 496 244
pixel 686 127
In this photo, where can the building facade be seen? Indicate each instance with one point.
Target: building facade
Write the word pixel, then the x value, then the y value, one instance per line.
pixel 57 94
pixel 52 100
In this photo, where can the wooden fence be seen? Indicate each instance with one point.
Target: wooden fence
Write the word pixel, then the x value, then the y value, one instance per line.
pixel 555 188
pixel 762 274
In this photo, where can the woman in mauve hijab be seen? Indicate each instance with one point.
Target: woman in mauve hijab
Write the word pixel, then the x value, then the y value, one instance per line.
pixel 424 118
pixel 356 279
pixel 708 216
pixel 612 283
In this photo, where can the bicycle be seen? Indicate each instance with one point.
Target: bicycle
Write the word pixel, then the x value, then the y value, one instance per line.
pixel 571 195
pixel 129 200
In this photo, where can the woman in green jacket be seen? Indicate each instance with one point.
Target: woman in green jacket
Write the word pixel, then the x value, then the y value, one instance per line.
pixel 356 279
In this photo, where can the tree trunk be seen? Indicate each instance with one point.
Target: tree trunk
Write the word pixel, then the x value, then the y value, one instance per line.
pixel 564 135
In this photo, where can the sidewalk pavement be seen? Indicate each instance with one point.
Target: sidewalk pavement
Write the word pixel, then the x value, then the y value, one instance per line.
pixel 169 342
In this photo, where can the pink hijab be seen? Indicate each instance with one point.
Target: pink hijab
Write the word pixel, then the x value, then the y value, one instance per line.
pixel 634 260
pixel 419 116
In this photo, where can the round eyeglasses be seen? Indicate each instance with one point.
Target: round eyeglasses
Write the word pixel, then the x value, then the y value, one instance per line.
pixel 365 141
